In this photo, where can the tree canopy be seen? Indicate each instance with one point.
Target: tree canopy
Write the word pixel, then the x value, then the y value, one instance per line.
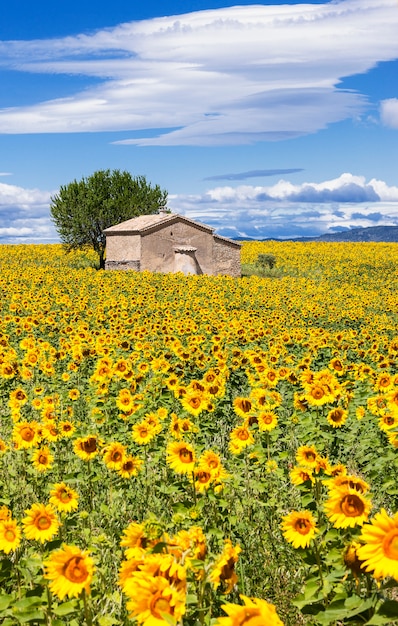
pixel 83 209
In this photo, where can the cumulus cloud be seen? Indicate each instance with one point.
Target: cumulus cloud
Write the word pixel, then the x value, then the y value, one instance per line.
pixel 216 77
pixel 389 112
pixel 25 215
pixel 282 210
pixel 285 210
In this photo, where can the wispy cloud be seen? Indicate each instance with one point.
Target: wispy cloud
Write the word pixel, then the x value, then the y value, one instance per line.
pixel 5 174
pixel 253 174
pixel 219 77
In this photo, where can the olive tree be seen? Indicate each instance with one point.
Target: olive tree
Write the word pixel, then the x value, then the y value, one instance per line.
pixel 83 209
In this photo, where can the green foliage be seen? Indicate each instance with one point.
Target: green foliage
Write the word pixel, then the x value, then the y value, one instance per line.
pixel 83 209
pixel 266 260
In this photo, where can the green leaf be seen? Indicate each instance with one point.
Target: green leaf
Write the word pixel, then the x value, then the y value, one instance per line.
pixel 66 608
pixel 389 608
pixel 5 602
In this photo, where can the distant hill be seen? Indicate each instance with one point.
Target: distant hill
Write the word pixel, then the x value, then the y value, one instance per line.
pixel 387 234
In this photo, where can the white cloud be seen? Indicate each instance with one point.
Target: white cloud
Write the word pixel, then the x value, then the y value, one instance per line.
pixel 287 210
pixel 227 76
pixel 25 215
pixel 389 112
pixel 281 210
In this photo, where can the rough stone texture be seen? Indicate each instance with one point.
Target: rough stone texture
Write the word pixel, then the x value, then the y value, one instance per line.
pixel 226 258
pixel 168 242
pixel 122 265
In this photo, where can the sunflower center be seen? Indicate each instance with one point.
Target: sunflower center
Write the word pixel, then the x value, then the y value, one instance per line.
pixel 310 456
pixel 65 496
pixel 243 435
pixel 317 393
pixel 43 459
pixel 203 477
pixel 90 445
pixel 75 570
pixel 116 456
pixel 267 419
pixel 390 544
pixel 43 522
pixel 27 434
pixel 302 526
pixel 388 420
pixel 9 535
pixel 159 605
pixel 352 506
pixel 186 456
pixel 195 403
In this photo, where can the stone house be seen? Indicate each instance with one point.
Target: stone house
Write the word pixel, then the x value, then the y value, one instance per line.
pixel 168 242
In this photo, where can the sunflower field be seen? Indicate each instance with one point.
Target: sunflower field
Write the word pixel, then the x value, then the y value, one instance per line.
pixel 200 450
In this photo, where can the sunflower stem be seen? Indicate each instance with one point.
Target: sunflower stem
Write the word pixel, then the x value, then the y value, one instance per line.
pixel 318 561
pixel 87 612
pixel 50 607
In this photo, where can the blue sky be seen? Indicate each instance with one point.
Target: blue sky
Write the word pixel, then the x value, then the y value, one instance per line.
pixel 274 119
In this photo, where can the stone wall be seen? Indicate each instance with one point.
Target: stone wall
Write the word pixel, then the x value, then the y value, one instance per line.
pixel 158 248
pixel 123 265
pixel 121 248
pixel 226 258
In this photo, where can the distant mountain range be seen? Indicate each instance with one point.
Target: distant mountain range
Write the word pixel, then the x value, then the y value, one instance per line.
pixel 387 234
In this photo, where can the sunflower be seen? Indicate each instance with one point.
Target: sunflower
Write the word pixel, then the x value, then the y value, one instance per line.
pixel 202 479
pixel 388 421
pixel 299 528
pixel 152 598
pixel 160 564
pixel 380 552
pixel 64 498
pixel 181 457
pixel 267 421
pixel 135 540
pixel 255 612
pixel 318 394
pixel 3 446
pixel 347 507
pixel 70 571
pixel 243 406
pixel 143 433
pixel 337 417
pixel 5 513
pixel 74 394
pixel 25 434
pixel 300 475
pixel 223 570
pixel 349 481
pixel 130 467
pixel 240 438
pixel 42 459
pixel 351 560
pixel 66 429
pixel 307 456
pixel 115 455
pixel 86 448
pixel 211 462
pixel 41 522
pixel 10 535
pixel 194 402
